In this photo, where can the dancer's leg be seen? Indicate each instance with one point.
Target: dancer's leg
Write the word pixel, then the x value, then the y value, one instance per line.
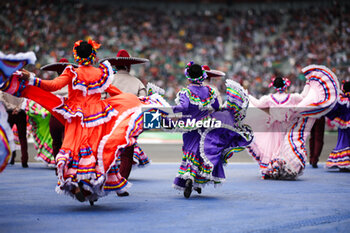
pixel 316 141
pixel 57 132
pixel 11 122
pixel 21 122
pixel 126 159
pixel 319 136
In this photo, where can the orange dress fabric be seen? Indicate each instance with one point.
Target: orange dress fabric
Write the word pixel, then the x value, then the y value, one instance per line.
pixel 96 131
pixel 91 125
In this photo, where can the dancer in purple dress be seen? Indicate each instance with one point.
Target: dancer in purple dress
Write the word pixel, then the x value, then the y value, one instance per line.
pixel 194 102
pixel 207 148
pixel 340 114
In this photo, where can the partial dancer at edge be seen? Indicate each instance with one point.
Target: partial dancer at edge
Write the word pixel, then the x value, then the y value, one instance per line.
pixel 340 115
pixel 9 64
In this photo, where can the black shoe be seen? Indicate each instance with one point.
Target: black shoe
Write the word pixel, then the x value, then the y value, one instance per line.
pixel 79 195
pixel 124 194
pixel 92 202
pixel 12 161
pixel 24 165
pixel 198 190
pixel 13 157
pixel 314 165
pixel 188 188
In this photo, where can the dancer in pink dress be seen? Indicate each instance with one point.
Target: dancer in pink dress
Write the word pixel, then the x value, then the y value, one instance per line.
pixel 279 136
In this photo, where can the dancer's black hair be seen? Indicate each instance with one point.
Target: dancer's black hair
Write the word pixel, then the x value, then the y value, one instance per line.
pixel 84 50
pixel 278 82
pixel 195 71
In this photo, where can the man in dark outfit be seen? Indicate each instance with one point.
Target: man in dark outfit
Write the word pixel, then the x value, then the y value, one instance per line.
pixel 18 117
pixel 316 141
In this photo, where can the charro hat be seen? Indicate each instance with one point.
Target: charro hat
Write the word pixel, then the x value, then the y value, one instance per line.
pixel 213 73
pixel 123 58
pixel 58 66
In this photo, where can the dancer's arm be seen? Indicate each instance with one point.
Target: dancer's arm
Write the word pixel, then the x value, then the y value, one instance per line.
pixel 216 105
pixel 141 90
pixel 183 105
pixel 217 102
pixel 261 103
pixel 52 85
pixel 113 90
pixel 305 90
pixel 300 100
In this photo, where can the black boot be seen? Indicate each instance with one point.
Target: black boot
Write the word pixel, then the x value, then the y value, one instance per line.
pixel 188 188
pixel 79 194
pixel 12 161
pixel 198 190
pixel 124 194
pixel 92 202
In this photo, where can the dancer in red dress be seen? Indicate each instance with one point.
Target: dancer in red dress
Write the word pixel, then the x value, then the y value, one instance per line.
pixel 96 130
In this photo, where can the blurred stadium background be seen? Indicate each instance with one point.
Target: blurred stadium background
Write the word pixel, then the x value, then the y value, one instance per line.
pixel 250 40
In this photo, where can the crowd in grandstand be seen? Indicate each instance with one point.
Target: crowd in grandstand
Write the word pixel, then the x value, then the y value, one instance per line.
pixel 250 46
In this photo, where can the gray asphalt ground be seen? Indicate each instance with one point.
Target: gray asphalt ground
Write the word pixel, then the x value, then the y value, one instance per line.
pixel 318 201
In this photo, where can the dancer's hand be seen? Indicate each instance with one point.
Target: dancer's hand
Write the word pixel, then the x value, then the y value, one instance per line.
pixel 25 75
pixel 16 111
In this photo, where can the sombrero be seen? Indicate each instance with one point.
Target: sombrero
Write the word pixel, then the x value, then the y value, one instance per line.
pixel 123 59
pixel 213 73
pixel 58 66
